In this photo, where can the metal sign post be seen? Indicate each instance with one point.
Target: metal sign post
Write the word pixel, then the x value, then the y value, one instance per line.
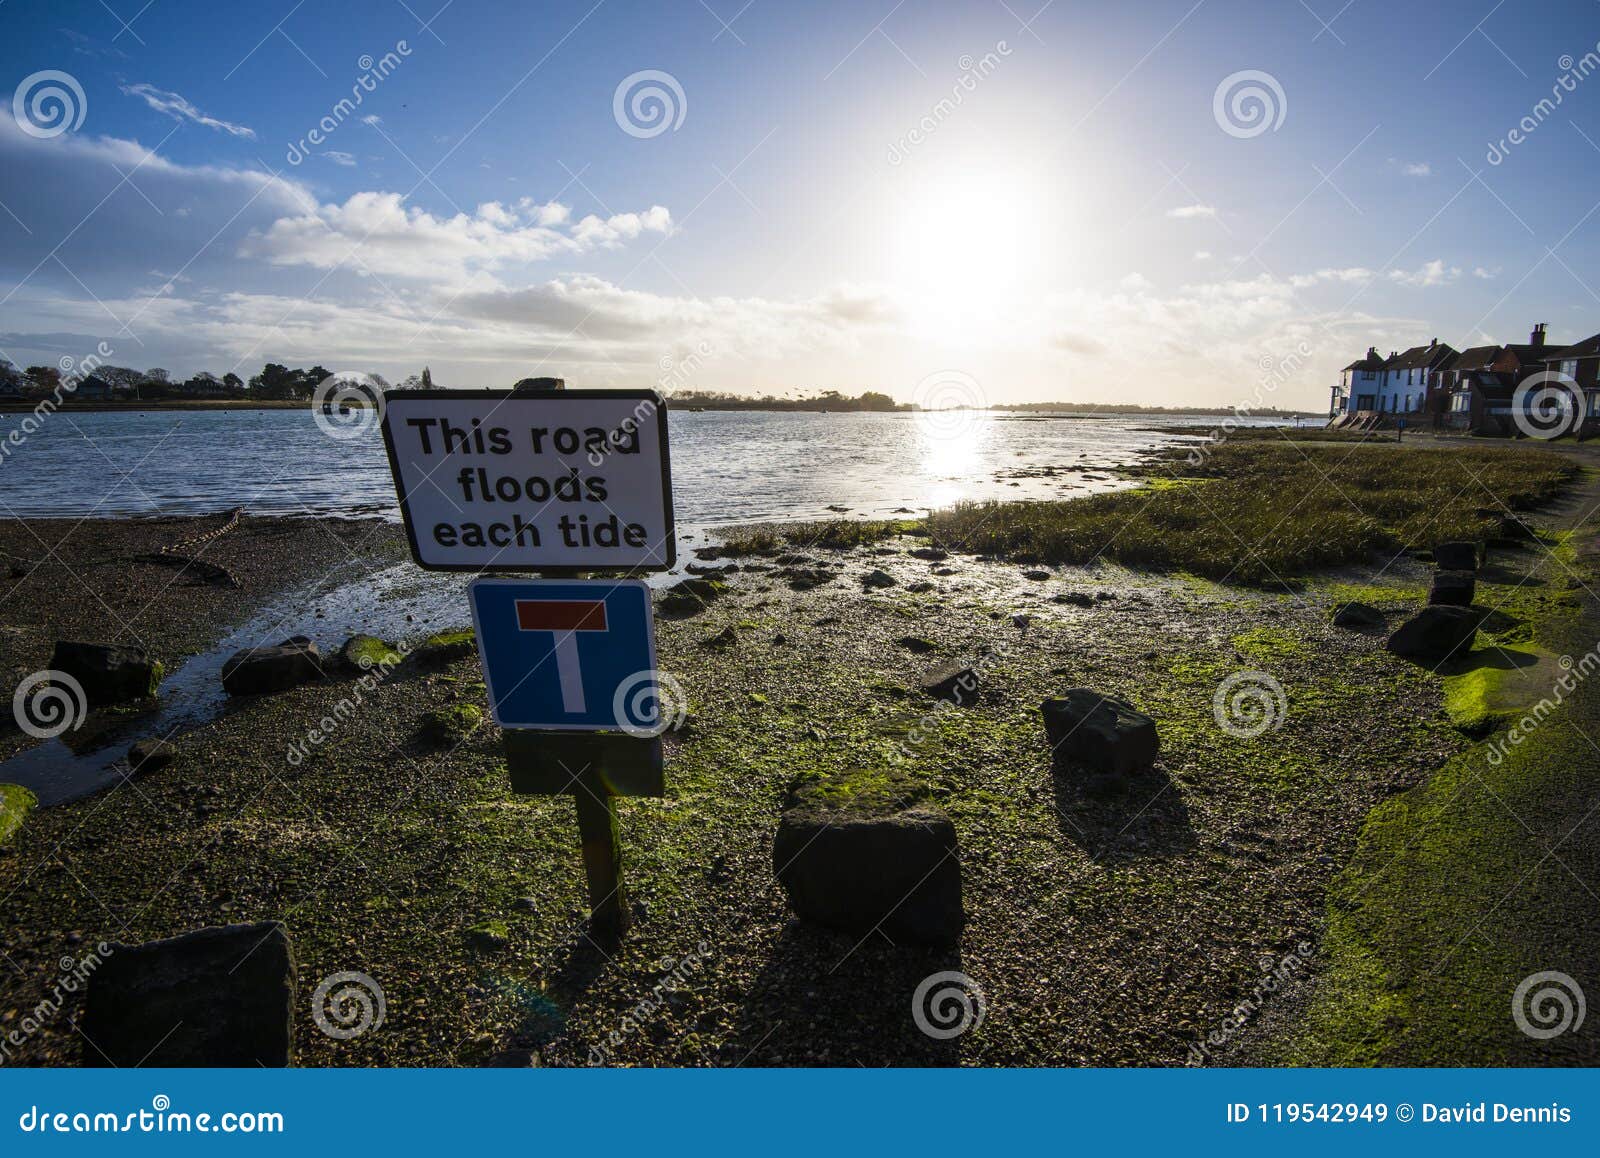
pixel 557 482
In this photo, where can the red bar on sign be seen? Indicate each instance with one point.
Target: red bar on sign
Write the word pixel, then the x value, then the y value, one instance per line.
pixel 561 614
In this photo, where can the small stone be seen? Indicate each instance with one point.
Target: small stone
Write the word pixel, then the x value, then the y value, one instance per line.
pixel 447 727
pixel 1021 620
pixel 877 578
pixel 148 756
pixel 261 670
pixel 491 937
pixel 1356 615
pixel 931 554
pixel 1075 598
pixel 1036 575
pixel 722 640
pixel 954 682
pixel 919 587
pixel 916 644
pixel 1096 731
pixel 526 905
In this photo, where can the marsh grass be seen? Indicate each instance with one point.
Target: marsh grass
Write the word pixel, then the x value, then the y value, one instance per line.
pixel 1268 511
pixel 1248 511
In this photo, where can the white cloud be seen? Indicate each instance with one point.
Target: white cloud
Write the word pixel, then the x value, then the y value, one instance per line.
pixel 1135 281
pixel 1202 255
pixel 1353 273
pixel 1186 212
pixel 1431 273
pixel 338 158
pixel 172 105
pixel 388 237
pixel 1485 274
pixel 1417 169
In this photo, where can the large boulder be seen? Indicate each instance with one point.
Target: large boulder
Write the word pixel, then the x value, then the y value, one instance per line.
pixel 690 596
pixel 1453 588
pixel 108 673
pixel 1458 556
pixel 1091 730
pixel 1435 634
pixel 214 997
pixel 259 670
pixel 862 852
pixel 955 682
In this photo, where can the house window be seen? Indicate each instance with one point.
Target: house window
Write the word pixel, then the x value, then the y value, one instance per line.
pixel 1570 368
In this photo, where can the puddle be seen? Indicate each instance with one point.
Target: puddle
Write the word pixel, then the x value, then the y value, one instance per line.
pixel 401 603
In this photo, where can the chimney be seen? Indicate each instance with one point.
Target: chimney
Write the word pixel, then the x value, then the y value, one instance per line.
pixel 1536 339
pixel 1432 342
pixel 1372 351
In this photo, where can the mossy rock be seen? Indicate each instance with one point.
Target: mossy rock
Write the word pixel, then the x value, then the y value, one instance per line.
pixel 452 725
pixel 878 791
pixel 366 652
pixel 690 597
pixel 446 647
pixel 15 804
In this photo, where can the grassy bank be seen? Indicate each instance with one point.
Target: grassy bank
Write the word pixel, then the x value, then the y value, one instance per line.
pixel 1252 511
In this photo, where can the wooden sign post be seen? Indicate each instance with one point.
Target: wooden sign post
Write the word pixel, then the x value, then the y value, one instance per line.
pixel 560 483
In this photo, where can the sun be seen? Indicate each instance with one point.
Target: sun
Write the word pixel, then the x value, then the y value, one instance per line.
pixel 967 255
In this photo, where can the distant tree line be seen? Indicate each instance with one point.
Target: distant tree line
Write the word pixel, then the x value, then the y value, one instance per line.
pixel 825 400
pixel 275 383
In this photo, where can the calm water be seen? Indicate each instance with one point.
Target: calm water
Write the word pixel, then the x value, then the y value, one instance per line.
pixel 727 467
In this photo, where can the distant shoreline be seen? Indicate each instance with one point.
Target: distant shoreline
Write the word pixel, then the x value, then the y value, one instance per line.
pixel 1069 409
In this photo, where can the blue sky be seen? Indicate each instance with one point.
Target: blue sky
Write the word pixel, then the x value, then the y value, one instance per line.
pixel 1047 202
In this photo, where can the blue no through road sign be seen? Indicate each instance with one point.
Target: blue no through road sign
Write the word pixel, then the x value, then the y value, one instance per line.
pixel 569 655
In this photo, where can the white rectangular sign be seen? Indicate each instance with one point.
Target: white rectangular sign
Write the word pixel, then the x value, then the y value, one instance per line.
pixel 563 481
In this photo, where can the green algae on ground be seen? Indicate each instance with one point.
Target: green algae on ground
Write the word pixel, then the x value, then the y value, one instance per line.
pixel 15 804
pixel 368 651
pixel 451 725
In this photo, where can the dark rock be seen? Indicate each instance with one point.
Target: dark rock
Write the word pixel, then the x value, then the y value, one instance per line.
pixel 1075 598
pixel 1036 575
pixel 916 644
pixel 362 653
pixel 931 554
pixel 448 727
pixel 214 997
pixel 878 578
pixel 1457 556
pixel 713 572
pixel 805 578
pixel 690 597
pixel 1356 615
pixel 1435 633
pixel 1095 731
pixel 919 587
pixel 445 648
pixel 955 682
pixel 1453 588
pixel 488 938
pixel 108 673
pixel 722 640
pixel 148 756
pixel 1021 619
pixel 945 571
pixel 871 860
pixel 259 670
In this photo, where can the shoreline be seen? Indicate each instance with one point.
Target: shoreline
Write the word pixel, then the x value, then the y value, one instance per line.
pixel 410 861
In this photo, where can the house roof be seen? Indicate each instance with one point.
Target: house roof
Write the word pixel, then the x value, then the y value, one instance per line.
pixel 1420 357
pixel 1370 362
pixel 1476 358
pixel 1588 348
